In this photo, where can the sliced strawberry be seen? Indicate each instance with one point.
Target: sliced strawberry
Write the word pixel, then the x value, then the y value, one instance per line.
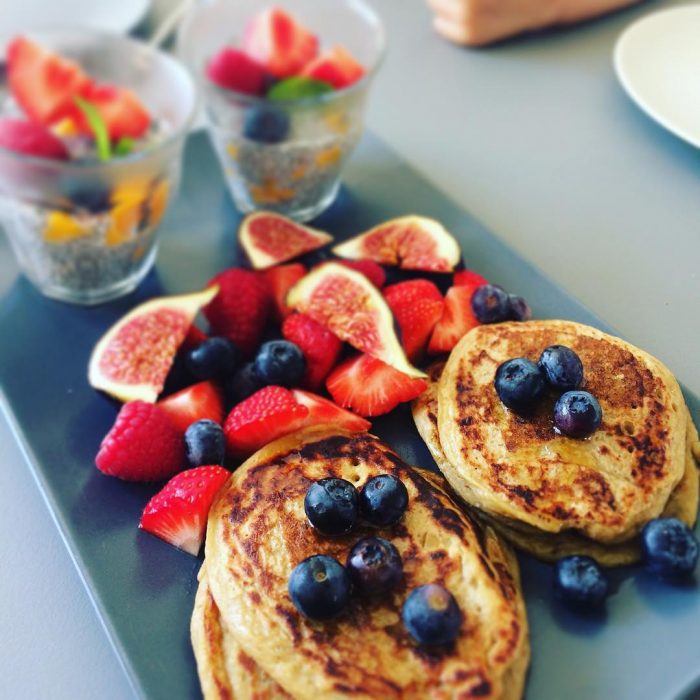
pixel 121 110
pixel 279 43
pixel 143 445
pixel 241 308
pixel 324 411
pixel 31 138
pixel 457 319
pixel 234 70
pixel 373 271
pixel 194 338
pixel 417 307
pixel 263 417
pixel 336 66
pixel 370 387
pixel 281 279
pixel 468 278
pixel 42 83
pixel 197 402
pixel 178 513
pixel 320 347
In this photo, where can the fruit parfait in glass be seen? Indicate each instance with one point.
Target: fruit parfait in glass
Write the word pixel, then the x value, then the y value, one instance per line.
pixel 91 133
pixel 284 91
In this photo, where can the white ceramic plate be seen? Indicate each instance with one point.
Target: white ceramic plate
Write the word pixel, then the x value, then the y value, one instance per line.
pixel 106 15
pixel 657 60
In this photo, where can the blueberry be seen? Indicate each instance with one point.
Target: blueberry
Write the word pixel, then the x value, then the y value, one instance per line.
pixel 204 443
pixel 93 199
pixel 266 125
pixel 519 309
pixel 669 548
pixel 577 414
pixel 579 580
pixel 242 384
pixel 519 383
pixel 431 615
pixel 383 500
pixel 215 358
pixel 280 362
pixel 491 304
pixel 375 566
pixel 562 367
pixel 320 588
pixel 331 505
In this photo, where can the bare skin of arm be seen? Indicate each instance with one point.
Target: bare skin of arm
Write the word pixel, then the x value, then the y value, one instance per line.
pixel 481 22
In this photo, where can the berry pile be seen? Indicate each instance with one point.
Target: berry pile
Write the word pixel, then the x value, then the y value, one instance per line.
pixel 321 588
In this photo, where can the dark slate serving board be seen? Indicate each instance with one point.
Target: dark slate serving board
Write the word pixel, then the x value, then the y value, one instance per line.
pixel 645 647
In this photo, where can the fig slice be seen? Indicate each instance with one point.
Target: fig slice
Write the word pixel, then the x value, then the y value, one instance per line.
pixel 409 242
pixel 270 239
pixel 133 358
pixel 350 306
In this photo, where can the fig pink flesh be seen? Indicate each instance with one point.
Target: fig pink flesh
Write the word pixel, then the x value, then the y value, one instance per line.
pixel 281 239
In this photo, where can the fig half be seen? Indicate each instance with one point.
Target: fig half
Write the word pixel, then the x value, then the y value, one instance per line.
pixel 133 358
pixel 270 239
pixel 350 306
pixel 409 242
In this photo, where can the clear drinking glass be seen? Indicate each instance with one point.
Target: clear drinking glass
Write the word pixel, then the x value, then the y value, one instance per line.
pixel 300 176
pixel 86 231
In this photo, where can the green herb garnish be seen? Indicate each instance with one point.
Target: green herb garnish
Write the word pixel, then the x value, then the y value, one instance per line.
pixel 297 88
pixel 97 126
pixel 124 146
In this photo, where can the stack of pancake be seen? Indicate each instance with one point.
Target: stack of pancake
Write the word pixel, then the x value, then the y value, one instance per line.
pixel 251 642
pixel 549 494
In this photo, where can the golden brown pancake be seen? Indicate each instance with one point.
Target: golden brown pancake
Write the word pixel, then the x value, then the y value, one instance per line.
pixel 258 532
pixel 604 487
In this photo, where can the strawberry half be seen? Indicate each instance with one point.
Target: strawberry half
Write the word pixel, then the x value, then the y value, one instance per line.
pixel 281 279
pixel 320 347
pixel 417 307
pixel 468 278
pixel 457 319
pixel 241 308
pixel 370 387
pixel 31 138
pixel 336 66
pixel 143 445
pixel 234 70
pixel 42 83
pixel 268 414
pixel 197 402
pixel 178 513
pixel 324 411
pixel 373 271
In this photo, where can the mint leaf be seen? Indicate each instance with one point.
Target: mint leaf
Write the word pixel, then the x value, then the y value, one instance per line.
pixel 297 88
pixel 124 146
pixel 97 126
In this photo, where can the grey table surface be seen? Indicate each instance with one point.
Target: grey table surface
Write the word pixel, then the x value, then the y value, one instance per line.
pixel 536 139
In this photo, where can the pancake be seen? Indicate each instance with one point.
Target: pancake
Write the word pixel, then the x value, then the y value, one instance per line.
pixel 225 671
pixel 604 487
pixel 682 504
pixel 258 532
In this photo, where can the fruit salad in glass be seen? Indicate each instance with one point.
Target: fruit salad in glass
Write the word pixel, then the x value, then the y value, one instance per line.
pixel 284 90
pixel 91 134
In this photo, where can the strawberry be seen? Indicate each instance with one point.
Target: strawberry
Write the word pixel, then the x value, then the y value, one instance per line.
pixel 370 387
pixel 417 307
pixel 42 83
pixel 281 279
pixel 143 445
pixel 194 338
pixel 268 414
pixel 178 512
pixel 457 318
pixel 234 70
pixel 468 278
pixel 336 66
pixel 197 402
pixel 33 139
pixel 324 411
pixel 241 308
pixel 373 271
pixel 320 347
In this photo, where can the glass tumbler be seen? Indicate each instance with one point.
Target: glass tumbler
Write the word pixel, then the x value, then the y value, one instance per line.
pixel 85 231
pixel 300 176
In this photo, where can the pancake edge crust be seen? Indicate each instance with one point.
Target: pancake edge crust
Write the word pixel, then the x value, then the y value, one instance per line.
pixel 307 659
pixel 605 487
